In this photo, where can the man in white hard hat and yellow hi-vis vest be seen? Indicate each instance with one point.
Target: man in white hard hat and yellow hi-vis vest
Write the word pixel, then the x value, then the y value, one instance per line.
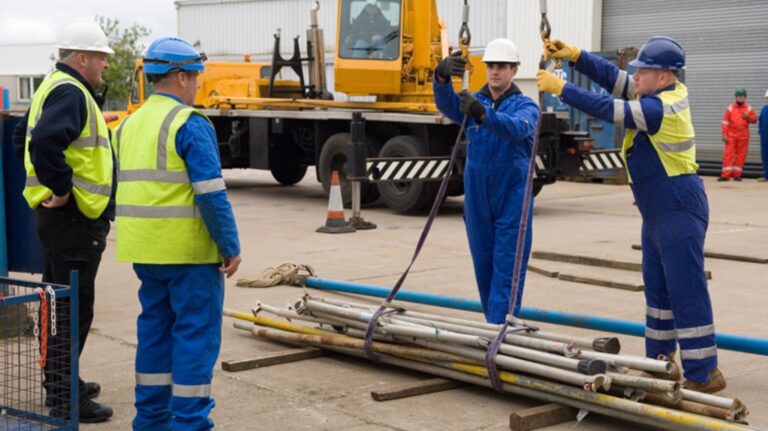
pixel 175 224
pixel 500 127
pixel 64 144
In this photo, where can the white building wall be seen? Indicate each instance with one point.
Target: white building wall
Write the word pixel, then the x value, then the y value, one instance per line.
pixel 577 22
pixel 228 29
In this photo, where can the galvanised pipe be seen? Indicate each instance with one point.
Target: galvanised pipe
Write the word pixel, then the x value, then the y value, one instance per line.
pixel 454 332
pixel 605 344
pixel 739 343
pixel 547 391
pixel 631 361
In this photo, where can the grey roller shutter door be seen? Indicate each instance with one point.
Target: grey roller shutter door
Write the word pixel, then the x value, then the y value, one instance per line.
pixel 726 45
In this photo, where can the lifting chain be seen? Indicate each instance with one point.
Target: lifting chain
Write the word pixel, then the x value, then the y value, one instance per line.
pixel 546 30
pixel 465 37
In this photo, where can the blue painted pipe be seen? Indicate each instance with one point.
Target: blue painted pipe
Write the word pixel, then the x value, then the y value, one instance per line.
pixel 739 343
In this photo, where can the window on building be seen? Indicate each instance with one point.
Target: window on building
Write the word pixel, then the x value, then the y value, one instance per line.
pixel 27 87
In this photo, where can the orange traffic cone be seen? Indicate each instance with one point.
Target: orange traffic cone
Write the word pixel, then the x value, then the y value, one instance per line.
pixel 335 222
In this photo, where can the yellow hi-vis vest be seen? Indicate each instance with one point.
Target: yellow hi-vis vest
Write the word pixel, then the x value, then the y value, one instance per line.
pixel 674 142
pixel 89 156
pixel 157 220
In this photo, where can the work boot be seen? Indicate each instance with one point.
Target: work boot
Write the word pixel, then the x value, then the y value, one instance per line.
pixel 737 178
pixel 90 412
pixel 721 179
pixel 88 391
pixel 762 180
pixel 716 383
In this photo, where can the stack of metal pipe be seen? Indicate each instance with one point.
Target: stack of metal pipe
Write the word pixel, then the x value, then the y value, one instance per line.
pixel 589 374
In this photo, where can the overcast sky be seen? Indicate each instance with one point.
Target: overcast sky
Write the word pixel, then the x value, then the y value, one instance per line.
pixel 38 21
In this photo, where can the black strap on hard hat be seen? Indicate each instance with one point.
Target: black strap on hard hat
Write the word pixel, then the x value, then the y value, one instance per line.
pixel 201 57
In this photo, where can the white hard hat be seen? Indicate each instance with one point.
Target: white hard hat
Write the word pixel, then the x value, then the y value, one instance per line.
pixel 83 36
pixel 501 51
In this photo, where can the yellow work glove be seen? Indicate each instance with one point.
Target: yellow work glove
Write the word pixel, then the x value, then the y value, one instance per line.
pixel 559 49
pixel 549 83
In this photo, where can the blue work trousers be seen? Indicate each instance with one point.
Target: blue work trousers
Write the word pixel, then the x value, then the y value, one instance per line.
pixel 675 218
pixel 493 203
pixel 179 333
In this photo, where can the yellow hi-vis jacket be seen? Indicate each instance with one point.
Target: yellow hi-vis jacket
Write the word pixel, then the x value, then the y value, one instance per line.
pixel 157 219
pixel 674 142
pixel 89 156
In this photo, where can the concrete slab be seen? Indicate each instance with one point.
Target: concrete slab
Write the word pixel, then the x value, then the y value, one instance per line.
pixel 277 224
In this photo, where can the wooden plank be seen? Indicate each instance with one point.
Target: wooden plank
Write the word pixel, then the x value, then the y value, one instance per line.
pixel 587 260
pixel 595 261
pixel 411 389
pixel 601 282
pixel 275 358
pixel 542 271
pixel 725 256
pixel 541 417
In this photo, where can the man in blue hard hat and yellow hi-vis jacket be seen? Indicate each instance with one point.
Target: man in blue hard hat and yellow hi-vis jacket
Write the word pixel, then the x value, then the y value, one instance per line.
pixel 660 154
pixel 175 224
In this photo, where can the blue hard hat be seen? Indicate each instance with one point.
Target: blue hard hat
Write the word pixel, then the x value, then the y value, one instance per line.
pixel 660 52
pixel 170 53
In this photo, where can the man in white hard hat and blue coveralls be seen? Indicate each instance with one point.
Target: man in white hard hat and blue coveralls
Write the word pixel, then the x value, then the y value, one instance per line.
pixel 660 154
pixel 63 141
pixel 500 127
pixel 175 224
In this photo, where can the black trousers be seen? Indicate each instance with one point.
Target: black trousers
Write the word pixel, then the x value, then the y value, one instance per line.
pixel 71 242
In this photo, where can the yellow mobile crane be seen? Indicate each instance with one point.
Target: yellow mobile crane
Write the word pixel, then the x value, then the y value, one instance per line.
pixel 387 49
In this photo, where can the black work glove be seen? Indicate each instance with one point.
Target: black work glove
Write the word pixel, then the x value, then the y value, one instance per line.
pixel 471 106
pixel 454 65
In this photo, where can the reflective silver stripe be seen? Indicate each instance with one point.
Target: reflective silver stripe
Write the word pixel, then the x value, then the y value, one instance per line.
pixel 94 140
pixel 159 379
pixel 704 353
pixel 91 187
pixel 677 107
pixel 637 114
pixel 618 112
pixel 618 86
pixel 696 332
pixel 208 186
pixel 153 175
pixel 141 211
pixel 677 147
pixel 191 391
pixel 657 334
pixel 32 182
pixel 630 88
pixel 89 142
pixel 162 137
pixel 658 313
pixel 726 122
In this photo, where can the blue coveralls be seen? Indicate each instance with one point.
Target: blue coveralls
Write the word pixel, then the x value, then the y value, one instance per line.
pixel 179 328
pixel 494 185
pixel 762 127
pixel 675 216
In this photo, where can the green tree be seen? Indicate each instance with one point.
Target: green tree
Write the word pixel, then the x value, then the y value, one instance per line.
pixel 125 43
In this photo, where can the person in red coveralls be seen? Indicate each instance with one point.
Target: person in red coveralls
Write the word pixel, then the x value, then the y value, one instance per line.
pixel 736 120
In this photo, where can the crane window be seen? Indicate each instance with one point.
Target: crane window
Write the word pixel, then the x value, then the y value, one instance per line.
pixel 370 29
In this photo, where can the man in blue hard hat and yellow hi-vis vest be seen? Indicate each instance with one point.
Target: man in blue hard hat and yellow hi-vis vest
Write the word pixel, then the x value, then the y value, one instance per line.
pixel 660 154
pixel 175 224
pixel 63 141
